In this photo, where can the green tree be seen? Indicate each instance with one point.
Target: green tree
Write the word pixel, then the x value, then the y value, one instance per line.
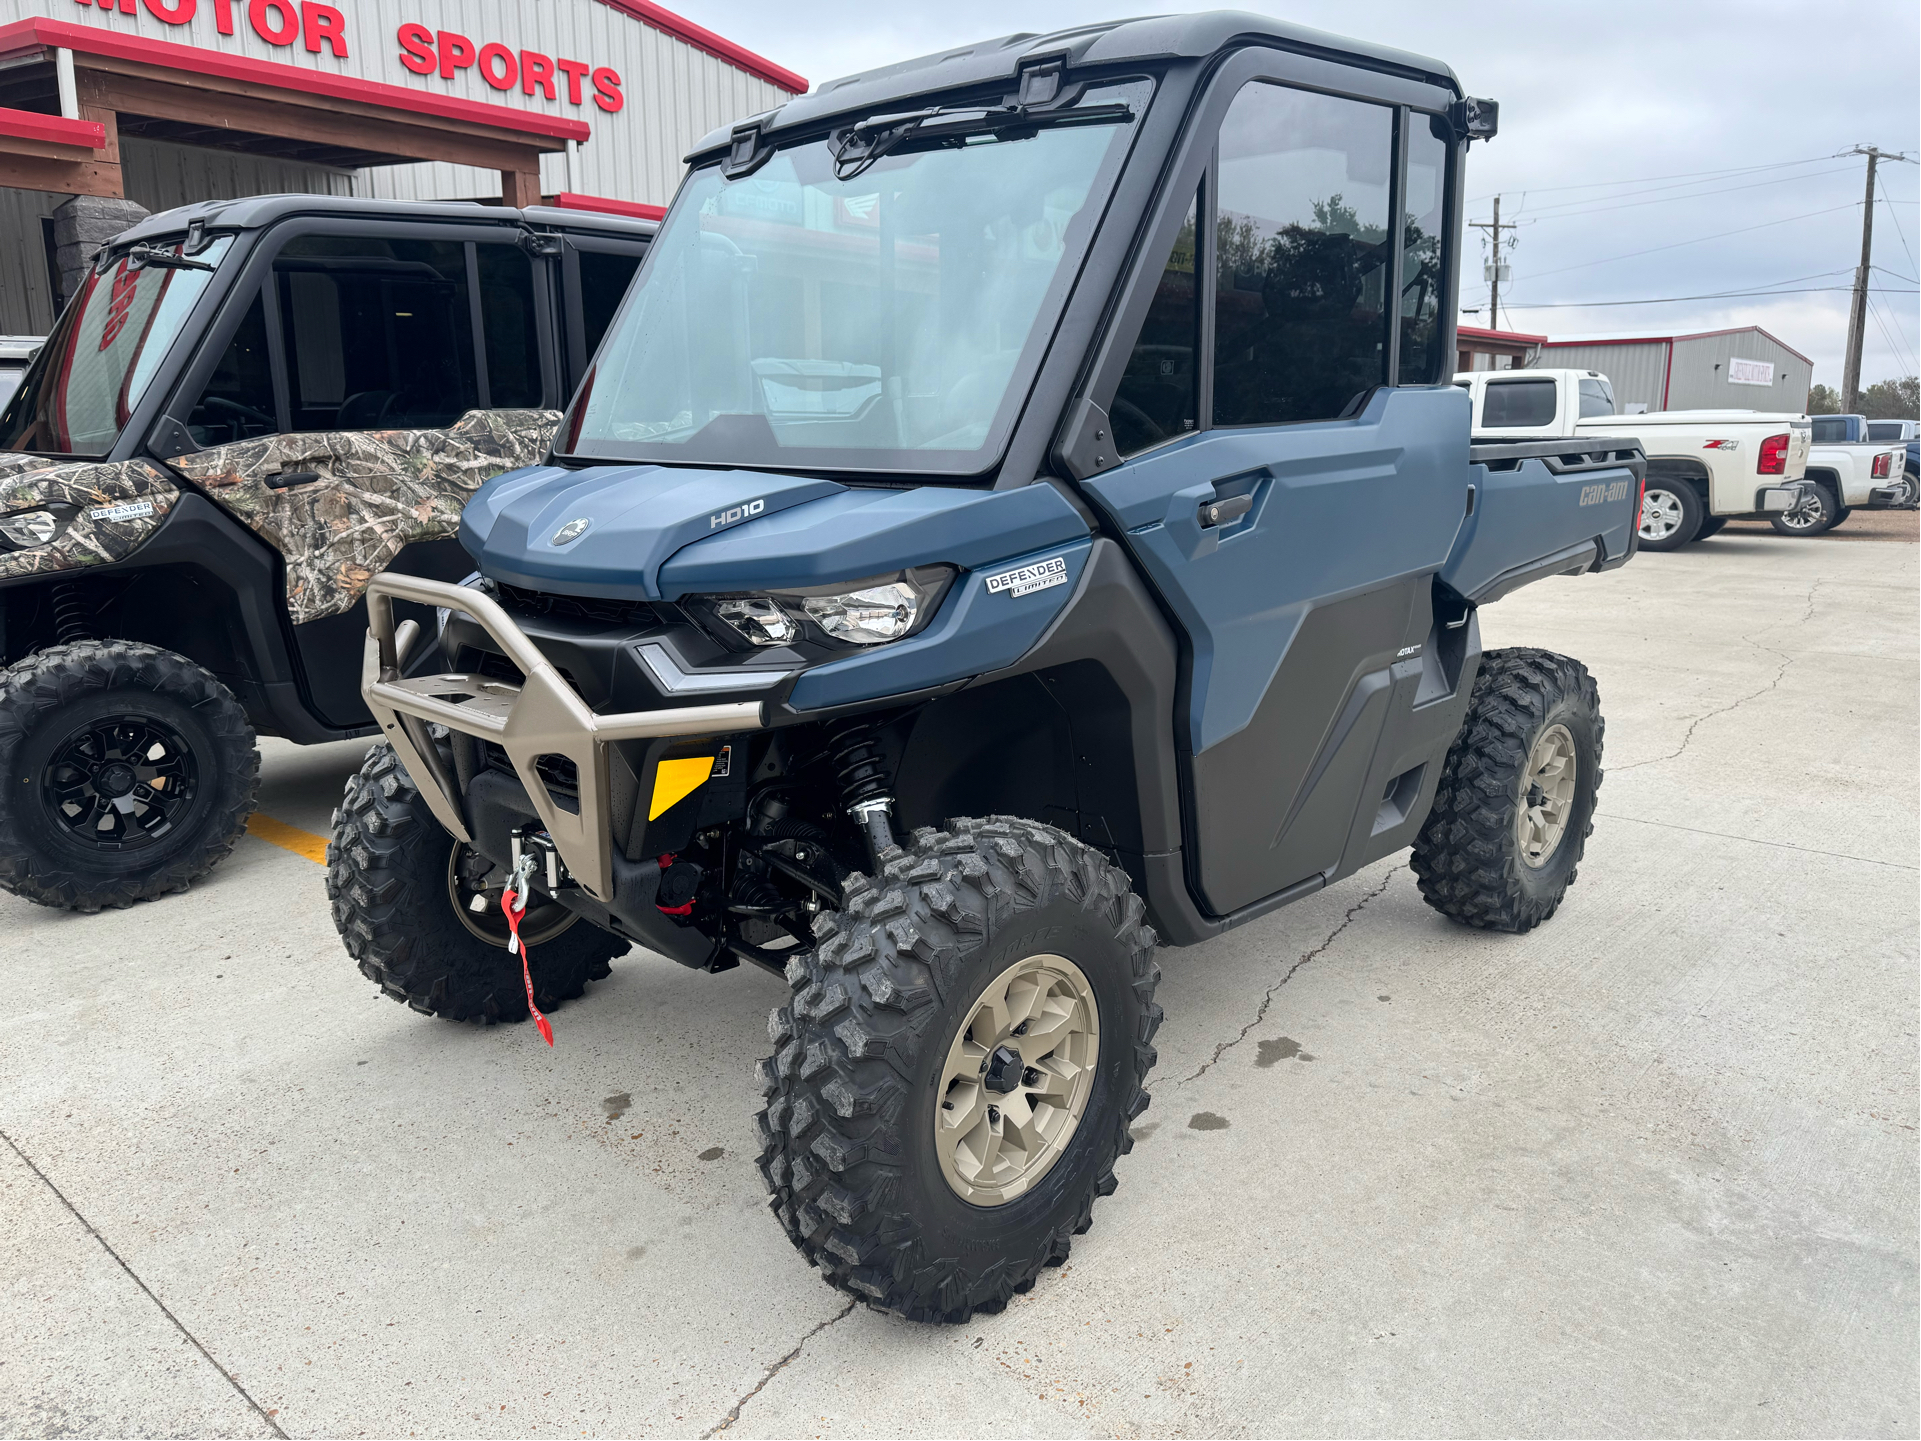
pixel 1898 399
pixel 1824 400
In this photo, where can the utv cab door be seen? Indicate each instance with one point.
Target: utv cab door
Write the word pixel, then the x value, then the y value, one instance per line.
pixel 1290 470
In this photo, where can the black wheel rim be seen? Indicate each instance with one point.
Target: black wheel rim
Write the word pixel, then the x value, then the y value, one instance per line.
pixel 120 783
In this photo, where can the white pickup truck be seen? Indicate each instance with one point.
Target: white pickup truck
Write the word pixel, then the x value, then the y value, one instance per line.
pixel 1705 467
pixel 1848 469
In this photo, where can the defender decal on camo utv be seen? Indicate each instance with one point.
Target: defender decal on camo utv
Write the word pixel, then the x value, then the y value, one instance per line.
pixel 251 408
pixel 341 505
pixel 57 517
pixel 1019 518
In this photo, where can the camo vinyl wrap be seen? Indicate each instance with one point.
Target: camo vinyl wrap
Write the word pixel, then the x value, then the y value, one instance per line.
pixel 34 482
pixel 380 490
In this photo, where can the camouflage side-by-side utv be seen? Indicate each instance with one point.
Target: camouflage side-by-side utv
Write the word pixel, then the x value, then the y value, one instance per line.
pixel 249 409
pixel 1019 516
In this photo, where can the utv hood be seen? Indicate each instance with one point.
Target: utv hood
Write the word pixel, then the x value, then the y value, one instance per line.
pixel 651 532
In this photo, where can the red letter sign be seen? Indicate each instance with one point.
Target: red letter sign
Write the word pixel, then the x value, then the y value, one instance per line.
pixel 321 22
pixel 282 34
pixel 606 88
pixel 417 49
pixel 456 53
pixel 508 68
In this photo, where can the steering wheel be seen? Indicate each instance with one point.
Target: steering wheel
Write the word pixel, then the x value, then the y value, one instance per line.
pixel 247 412
pixel 1138 416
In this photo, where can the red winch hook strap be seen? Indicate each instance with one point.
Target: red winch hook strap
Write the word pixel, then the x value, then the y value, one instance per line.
pixel 517 946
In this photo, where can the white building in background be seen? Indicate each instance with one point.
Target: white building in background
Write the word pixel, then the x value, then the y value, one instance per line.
pixel 1740 369
pixel 584 103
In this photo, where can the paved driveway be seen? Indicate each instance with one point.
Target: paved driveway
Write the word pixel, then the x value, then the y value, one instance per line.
pixel 1649 1170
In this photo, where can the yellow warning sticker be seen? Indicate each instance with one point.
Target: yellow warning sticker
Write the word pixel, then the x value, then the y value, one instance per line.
pixel 675 780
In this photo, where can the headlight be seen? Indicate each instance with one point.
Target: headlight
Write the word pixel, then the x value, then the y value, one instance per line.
pixel 871 612
pixel 30 527
pixel 758 619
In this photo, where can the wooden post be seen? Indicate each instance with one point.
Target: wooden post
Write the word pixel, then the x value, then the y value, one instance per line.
pixel 519 188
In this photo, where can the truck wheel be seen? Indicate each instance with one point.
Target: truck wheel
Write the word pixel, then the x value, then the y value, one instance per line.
pixel 129 772
pixel 403 890
pixel 1812 514
pixel 1515 805
pixel 959 1068
pixel 1841 514
pixel 1670 514
pixel 1710 525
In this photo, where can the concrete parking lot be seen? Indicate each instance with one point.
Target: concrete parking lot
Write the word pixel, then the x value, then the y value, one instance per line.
pixel 1649 1170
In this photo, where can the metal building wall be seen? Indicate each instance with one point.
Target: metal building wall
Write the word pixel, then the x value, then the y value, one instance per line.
pixel 1701 374
pixel 674 93
pixel 26 296
pixel 1636 369
pixel 160 175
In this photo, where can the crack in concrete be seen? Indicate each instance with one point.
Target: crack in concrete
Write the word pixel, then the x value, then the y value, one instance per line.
pixel 1754 841
pixel 74 1211
pixel 1687 739
pixel 774 1370
pixel 1267 1000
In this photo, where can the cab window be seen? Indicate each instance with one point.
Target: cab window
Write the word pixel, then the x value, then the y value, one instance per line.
pixel 1512 404
pixel 378 333
pixel 237 403
pixel 1303 254
pixel 1597 398
pixel 1155 400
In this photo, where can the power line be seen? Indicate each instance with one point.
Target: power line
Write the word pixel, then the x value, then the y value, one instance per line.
pixel 1899 347
pixel 1697 240
pixel 1565 213
pixel 1895 216
pixel 1681 175
pixel 1678 299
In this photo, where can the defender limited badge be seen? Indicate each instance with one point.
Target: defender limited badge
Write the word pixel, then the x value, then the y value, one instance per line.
pixel 573 530
pixel 128 510
pixel 1038 576
pixel 738 513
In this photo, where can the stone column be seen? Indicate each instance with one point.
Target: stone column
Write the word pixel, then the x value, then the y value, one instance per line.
pixel 81 227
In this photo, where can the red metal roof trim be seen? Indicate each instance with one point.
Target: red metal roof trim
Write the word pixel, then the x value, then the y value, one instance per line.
pixel 54 129
pixel 88 41
pixel 1478 333
pixel 719 46
pixel 568 200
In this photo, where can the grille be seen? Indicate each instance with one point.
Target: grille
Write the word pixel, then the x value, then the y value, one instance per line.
pixel 574 607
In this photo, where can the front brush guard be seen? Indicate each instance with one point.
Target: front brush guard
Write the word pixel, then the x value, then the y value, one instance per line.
pixel 542 716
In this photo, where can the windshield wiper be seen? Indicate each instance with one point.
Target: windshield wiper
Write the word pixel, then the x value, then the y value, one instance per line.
pixel 142 256
pixel 861 144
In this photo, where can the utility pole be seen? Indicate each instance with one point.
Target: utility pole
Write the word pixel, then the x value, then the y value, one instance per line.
pixel 1494 268
pixel 1858 309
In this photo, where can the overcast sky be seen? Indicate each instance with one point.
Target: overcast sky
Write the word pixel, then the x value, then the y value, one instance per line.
pixel 1603 108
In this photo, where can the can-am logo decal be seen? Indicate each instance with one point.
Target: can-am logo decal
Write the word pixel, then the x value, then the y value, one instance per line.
pixel 573 530
pixel 1029 578
pixel 1607 492
pixel 737 514
pixel 130 510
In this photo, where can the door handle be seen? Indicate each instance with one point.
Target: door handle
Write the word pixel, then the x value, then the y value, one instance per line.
pixel 1221 512
pixel 293 477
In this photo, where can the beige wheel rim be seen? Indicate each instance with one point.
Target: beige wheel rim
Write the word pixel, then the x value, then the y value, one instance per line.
pixel 1547 796
pixel 1017 1080
pixel 544 920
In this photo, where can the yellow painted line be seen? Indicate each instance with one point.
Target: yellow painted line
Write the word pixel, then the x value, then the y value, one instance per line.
pixel 292 838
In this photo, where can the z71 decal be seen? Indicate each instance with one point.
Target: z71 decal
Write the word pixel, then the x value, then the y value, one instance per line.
pixel 1613 490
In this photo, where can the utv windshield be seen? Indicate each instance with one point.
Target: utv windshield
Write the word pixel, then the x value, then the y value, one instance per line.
pixel 838 313
pixel 104 352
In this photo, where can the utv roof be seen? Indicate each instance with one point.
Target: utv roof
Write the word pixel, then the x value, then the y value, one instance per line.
pixel 1117 42
pixel 257 211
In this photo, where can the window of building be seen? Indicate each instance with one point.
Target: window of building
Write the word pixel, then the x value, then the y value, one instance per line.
pixel 1302 255
pixel 1156 399
pixel 379 333
pixel 238 403
pixel 509 326
pixel 1511 403
pixel 1424 253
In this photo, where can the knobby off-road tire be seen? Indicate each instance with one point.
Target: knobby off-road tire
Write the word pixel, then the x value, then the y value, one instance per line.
pixel 387 877
pixel 128 773
pixel 1470 856
pixel 847 1137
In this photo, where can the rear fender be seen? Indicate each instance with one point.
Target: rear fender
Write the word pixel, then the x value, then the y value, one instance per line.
pixel 1541 508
